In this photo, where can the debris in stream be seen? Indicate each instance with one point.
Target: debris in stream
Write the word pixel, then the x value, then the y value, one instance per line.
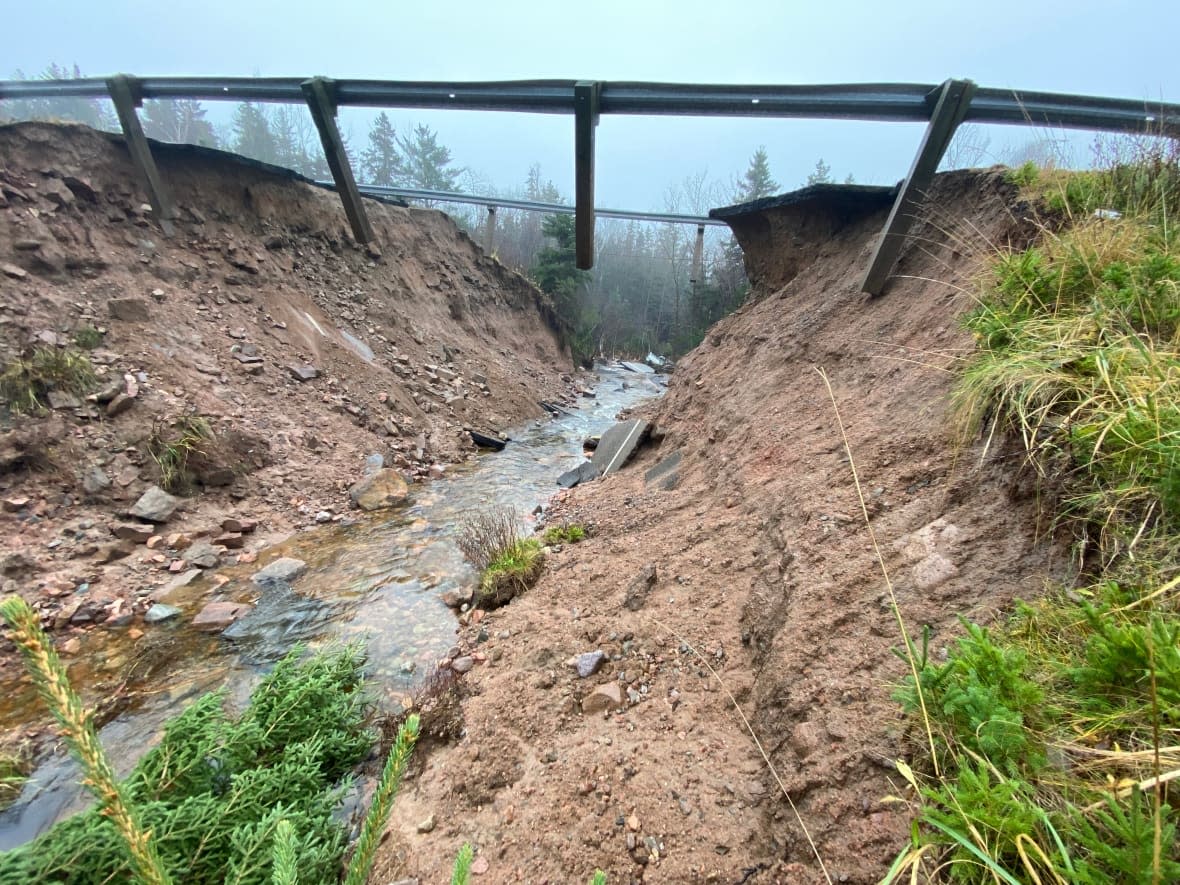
pixel 487 440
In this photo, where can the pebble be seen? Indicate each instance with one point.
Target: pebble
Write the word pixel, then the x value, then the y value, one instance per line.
pixel 588 663
pixel 463 664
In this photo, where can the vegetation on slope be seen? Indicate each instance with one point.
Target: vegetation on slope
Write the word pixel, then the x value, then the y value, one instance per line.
pixel 1057 735
pixel 508 565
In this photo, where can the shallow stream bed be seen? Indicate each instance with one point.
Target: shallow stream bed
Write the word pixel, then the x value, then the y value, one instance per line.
pixel 378 579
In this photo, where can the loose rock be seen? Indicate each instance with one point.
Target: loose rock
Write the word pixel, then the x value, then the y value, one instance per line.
pixel 588 663
pixel 636 594
pixel 605 697
pixel 155 505
pixel 160 612
pixel 303 373
pixel 219 615
pixel 129 310
pixel 385 488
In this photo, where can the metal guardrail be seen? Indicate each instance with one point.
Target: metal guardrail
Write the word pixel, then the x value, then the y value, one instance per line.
pixel 898 102
pixel 410 193
pixel 943 107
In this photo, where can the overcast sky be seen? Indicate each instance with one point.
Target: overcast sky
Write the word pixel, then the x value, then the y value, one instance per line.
pixel 1103 48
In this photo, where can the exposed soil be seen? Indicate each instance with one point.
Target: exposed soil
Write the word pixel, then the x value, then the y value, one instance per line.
pixel 410 341
pixel 752 580
pixel 764 572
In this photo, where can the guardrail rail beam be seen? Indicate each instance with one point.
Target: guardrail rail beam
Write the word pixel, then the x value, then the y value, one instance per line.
pixel 319 94
pixel 586 107
pixel 954 98
pixel 126 98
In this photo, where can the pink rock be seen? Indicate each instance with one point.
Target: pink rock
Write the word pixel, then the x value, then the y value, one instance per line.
pixel 218 615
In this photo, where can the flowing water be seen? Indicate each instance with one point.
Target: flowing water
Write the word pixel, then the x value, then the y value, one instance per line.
pixel 378 579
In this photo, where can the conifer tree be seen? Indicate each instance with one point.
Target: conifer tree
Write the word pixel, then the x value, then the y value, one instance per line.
pixel 252 136
pixel 821 175
pixel 756 183
pixel 180 120
pixel 380 161
pixel 427 164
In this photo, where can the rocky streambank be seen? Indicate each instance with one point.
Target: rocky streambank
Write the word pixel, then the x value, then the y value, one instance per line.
pixel 201 397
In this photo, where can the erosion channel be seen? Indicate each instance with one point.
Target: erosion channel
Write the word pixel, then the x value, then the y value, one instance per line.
pixel 378 579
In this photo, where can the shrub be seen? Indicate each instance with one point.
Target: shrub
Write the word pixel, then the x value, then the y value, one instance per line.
pixel 25 382
pixel 508 565
pixel 981 697
pixel 569 533
pixel 215 790
pixel 86 337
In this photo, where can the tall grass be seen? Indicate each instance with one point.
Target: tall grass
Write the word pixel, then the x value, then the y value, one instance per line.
pixel 26 381
pixel 1056 735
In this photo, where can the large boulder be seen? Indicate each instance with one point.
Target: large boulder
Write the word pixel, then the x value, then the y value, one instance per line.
pixel 385 488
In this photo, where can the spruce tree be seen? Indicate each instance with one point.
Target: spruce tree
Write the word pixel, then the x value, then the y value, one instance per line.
pixel 252 136
pixel 757 183
pixel 381 162
pixel 427 164
pixel 821 175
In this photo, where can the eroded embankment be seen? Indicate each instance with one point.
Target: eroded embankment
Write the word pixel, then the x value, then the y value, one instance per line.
pixel 764 572
pixel 301 353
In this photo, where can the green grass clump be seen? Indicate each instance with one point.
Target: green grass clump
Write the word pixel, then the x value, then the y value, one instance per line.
pixel 1056 735
pixel 1079 353
pixel 513 571
pixel 87 337
pixel 171 446
pixel 508 565
pixel 25 382
pixel 571 533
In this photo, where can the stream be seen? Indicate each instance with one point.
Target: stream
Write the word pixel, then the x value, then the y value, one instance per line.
pixel 378 579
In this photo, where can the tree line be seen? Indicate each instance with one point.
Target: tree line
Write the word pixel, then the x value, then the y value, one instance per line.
pixel 641 295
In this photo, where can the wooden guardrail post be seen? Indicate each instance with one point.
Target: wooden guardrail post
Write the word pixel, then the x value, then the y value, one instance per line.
pixel 586 99
pixel 698 259
pixel 318 92
pixel 124 92
pixel 489 234
pixel 954 97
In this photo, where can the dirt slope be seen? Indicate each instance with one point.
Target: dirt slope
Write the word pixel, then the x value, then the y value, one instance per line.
pixel 410 342
pixel 764 568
